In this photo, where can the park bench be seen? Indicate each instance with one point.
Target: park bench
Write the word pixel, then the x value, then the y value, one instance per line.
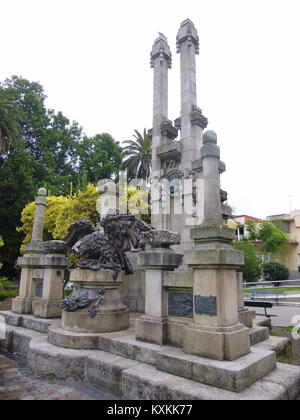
pixel 259 304
pixel 266 292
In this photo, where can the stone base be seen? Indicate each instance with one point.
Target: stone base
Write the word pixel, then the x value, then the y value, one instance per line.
pixel 246 317
pixel 152 330
pixel 216 343
pixel 47 309
pixel 92 286
pixel 110 321
pixel 130 367
pixel 22 305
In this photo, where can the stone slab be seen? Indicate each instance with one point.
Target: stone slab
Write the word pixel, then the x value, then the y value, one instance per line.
pixel 231 375
pixel 29 321
pixel 258 334
pixel 277 344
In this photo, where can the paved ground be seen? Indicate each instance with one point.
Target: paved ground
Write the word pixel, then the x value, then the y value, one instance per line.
pixel 281 315
pixel 18 383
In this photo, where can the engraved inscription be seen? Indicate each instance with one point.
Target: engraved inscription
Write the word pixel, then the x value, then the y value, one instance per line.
pixel 180 304
pixel 206 305
pixel 39 289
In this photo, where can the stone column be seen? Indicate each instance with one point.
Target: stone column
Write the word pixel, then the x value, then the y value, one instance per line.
pixel 55 264
pixel 161 61
pixel 245 316
pixel 30 262
pixel 191 122
pixel 153 326
pixel 215 332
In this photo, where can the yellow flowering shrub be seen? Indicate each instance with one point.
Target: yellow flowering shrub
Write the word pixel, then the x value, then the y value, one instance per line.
pixel 61 212
pixel 79 206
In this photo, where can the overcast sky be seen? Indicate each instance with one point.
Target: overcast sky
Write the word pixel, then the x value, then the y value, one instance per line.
pixel 92 57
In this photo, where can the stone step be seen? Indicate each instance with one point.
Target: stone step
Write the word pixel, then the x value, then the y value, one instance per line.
pixel 133 380
pixel 258 334
pixel 29 321
pixel 274 343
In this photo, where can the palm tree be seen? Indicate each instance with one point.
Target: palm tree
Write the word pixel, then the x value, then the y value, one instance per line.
pixel 10 122
pixel 137 154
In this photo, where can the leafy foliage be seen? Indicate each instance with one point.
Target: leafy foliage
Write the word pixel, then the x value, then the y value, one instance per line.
pixel 273 241
pixel 252 269
pixel 138 154
pixel 10 122
pixel 49 151
pixel 275 271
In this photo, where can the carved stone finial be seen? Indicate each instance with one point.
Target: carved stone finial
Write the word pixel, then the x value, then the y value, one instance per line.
pixel 168 130
pixel 161 50
pixel 197 118
pixel 188 33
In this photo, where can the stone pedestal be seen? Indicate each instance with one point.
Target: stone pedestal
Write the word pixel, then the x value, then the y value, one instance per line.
pixel 33 251
pixel 216 332
pixel 95 305
pixel 53 286
pixel 153 326
pixel 24 303
pixel 245 316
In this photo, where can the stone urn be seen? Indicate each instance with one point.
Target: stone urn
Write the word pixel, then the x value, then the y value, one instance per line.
pixel 95 305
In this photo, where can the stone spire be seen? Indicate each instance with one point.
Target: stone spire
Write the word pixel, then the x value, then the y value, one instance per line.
pixel 192 122
pixel 36 244
pixel 161 61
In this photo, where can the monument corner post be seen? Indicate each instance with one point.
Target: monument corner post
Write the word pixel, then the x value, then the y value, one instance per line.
pixel 30 262
pixel 215 332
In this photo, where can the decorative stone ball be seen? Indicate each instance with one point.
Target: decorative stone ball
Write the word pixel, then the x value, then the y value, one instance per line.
pixel 42 192
pixel 210 137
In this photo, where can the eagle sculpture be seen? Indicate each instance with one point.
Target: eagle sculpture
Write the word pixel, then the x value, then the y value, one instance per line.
pixel 107 249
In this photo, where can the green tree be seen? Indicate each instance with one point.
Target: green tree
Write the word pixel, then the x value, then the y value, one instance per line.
pixel 252 269
pixel 275 271
pixel 270 239
pixel 100 157
pixel 138 154
pixel 10 120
